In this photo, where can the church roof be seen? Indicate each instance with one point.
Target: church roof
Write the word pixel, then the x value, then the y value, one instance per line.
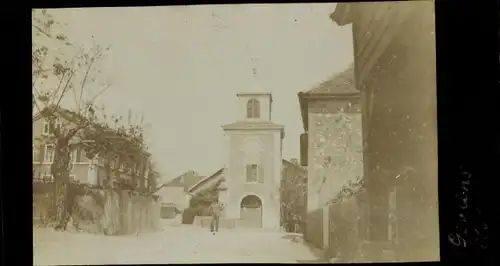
pixel 252 124
pixel 255 93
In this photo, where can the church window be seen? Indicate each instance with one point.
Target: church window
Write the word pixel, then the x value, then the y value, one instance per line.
pixel 253 108
pixel 251 173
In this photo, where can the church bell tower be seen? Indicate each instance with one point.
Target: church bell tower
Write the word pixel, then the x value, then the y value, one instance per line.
pixel 254 163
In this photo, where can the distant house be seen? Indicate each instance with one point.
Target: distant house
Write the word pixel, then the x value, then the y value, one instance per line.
pixel 331 147
pixel 174 193
pixel 82 169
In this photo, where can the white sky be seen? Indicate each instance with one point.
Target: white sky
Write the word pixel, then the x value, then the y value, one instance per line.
pixel 183 65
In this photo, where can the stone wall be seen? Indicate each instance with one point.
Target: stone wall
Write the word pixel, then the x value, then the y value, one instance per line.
pixel 335 156
pixel 335 149
pixel 116 213
pixel 314 228
pixel 344 218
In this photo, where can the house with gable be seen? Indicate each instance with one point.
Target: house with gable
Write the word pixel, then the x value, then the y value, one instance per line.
pixel 173 194
pixel 82 169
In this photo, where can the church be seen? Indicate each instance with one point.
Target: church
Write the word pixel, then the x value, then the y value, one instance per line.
pixel 249 185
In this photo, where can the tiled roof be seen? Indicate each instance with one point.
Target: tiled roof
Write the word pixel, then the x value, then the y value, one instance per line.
pixel 67 114
pixel 337 83
pixel 185 180
pixel 206 179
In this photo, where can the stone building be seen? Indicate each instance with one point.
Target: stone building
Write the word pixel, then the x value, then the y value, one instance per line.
pixel 331 147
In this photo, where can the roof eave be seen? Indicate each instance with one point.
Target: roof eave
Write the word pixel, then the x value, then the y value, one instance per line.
pixel 242 127
pixel 342 14
pixel 331 95
pixel 303 110
pixel 193 187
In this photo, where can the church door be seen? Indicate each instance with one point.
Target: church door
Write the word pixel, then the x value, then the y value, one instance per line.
pixel 251 212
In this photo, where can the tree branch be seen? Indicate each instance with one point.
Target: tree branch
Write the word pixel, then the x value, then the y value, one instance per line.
pixel 92 60
pixel 99 93
pixel 65 89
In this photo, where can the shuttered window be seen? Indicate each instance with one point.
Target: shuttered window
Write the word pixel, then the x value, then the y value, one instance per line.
pixel 260 175
pixel 304 149
pixel 251 173
pixel 254 173
pixel 36 153
pixel 253 108
pixel 41 153
pixel 49 154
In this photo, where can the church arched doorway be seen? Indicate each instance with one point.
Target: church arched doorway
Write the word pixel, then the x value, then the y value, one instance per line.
pixel 251 212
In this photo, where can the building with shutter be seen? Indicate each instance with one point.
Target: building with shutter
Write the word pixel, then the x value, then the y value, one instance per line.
pixel 82 169
pixel 255 160
pixel 249 184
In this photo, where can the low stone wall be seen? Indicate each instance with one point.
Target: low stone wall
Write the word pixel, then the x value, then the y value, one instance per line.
pixel 116 213
pixel 344 240
pixel 314 228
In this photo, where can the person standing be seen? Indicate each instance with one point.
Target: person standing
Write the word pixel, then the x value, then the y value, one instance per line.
pixel 215 211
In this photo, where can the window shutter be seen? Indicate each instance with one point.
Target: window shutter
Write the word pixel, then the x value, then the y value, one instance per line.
pixel 78 155
pixel 256 109
pixel 41 155
pixel 249 110
pixel 260 172
pixel 248 173
pixel 304 149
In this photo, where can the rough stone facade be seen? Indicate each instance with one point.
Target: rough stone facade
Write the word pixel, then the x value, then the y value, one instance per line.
pixel 335 158
pixel 335 148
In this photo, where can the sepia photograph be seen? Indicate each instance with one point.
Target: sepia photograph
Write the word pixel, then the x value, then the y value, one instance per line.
pixel 236 133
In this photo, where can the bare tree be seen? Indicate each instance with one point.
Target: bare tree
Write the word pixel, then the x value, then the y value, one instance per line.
pixel 60 70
